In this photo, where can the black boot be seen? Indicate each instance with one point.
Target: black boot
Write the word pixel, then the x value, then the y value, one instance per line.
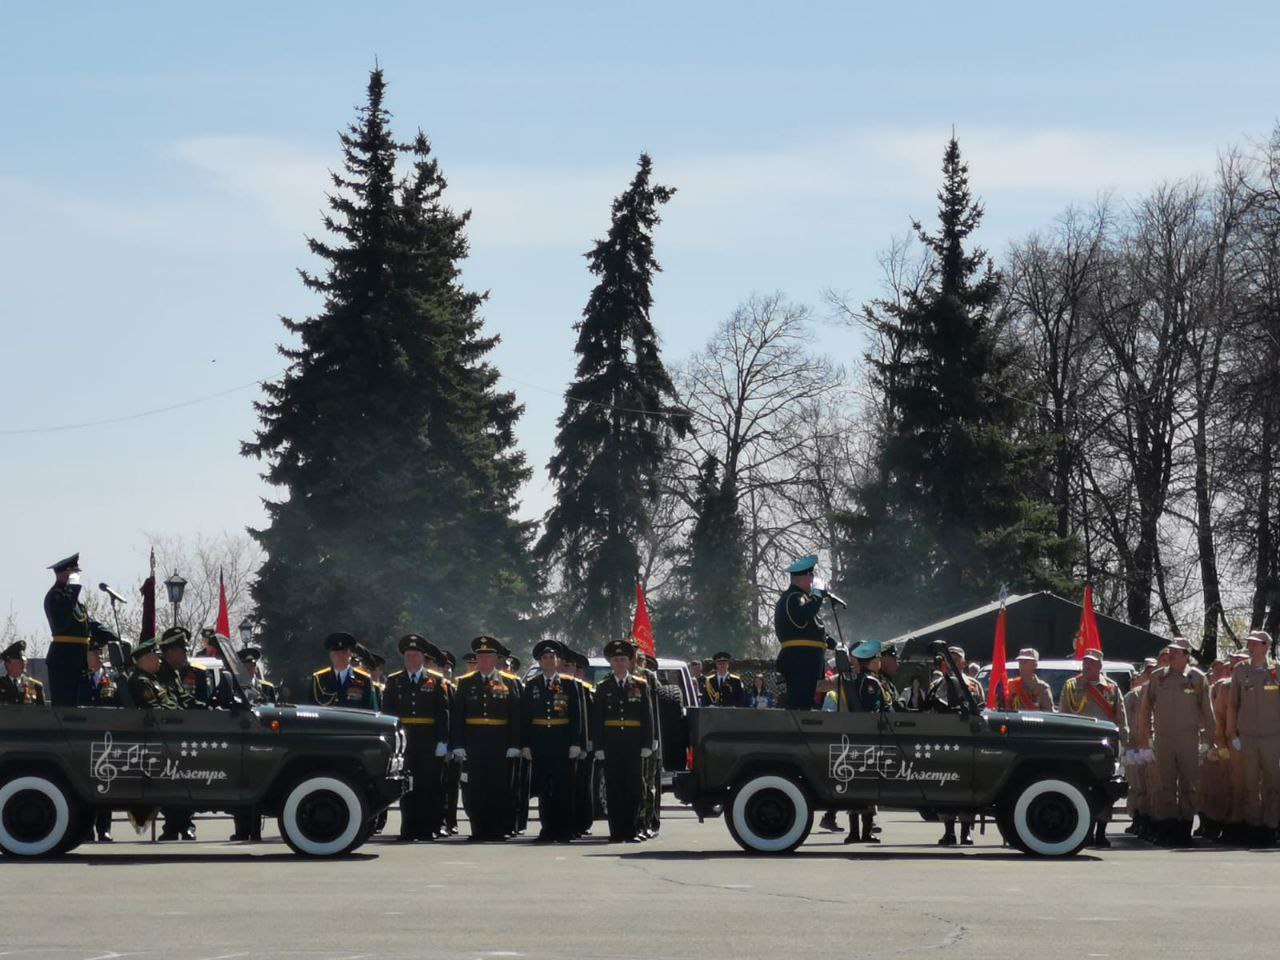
pixel 1100 840
pixel 949 836
pixel 1134 828
pixel 828 821
pixel 966 835
pixel 853 836
pixel 868 829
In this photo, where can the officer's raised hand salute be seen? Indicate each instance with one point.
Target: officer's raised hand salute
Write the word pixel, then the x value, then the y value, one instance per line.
pixel 801 635
pixel 72 628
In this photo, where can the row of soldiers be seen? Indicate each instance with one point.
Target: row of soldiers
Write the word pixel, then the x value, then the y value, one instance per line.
pixel 498 739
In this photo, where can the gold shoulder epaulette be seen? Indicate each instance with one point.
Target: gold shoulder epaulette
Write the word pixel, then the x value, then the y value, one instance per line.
pixel 639 679
pixel 322 670
pixel 363 673
pixel 509 676
pixel 465 675
pixel 392 676
pixel 567 676
pixel 435 673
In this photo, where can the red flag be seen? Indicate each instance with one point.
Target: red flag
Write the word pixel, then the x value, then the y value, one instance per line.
pixel 998 682
pixel 223 626
pixel 1087 637
pixel 148 629
pixel 641 628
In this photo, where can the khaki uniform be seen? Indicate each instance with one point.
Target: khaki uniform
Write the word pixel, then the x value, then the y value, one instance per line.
pixel 1024 697
pixel 1139 800
pixel 1101 700
pixel 1177 707
pixel 1255 718
pixel 1216 793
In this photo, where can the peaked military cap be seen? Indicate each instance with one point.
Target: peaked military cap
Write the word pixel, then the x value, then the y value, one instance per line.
pixel 250 655
pixel 469 657
pixel 619 648
pixel 1179 643
pixel 721 657
pixel 888 649
pixel 144 647
pixel 15 651
pixel 1092 654
pixel 514 663
pixel 803 565
pixel 1029 653
pixel 339 641
pixel 174 635
pixel 708 665
pixel 487 644
pixel 71 563
pixel 1261 636
pixel 548 646
pixel 651 662
pixel 416 641
pixel 450 659
pixel 867 650
pixel 97 642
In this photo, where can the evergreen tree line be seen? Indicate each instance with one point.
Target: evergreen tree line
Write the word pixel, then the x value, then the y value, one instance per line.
pixel 1095 405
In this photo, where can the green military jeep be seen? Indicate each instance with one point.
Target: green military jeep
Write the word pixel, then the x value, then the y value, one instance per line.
pixel 325 773
pixel 1042 776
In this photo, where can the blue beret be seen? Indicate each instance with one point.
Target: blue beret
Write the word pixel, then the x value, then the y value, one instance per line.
pixel 867 650
pixel 803 565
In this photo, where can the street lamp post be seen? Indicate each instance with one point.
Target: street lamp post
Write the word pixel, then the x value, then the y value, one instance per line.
pixel 246 632
pixel 175 585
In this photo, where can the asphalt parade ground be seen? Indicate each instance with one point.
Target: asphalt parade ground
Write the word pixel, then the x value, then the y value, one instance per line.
pixel 689 894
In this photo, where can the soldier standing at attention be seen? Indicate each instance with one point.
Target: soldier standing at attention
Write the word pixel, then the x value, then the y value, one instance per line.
pixel 16 687
pixel 71 627
pixel 724 689
pixel 1138 803
pixel 1176 708
pixel 553 738
pixel 145 688
pixel 487 739
pixel 1027 692
pixel 420 698
pixel 99 687
pixel 341 684
pixel 1215 772
pixel 584 806
pixel 802 636
pixel 864 693
pixel 521 769
pixel 1091 694
pixel 646 668
pixel 623 739
pixel 453 767
pixel 947 695
pixel 1253 728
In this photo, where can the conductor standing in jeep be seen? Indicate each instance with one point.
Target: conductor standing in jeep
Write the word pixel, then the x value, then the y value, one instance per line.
pixel 802 635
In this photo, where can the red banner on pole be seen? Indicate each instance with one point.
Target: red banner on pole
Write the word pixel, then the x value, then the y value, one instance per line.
pixel 641 628
pixel 998 682
pixel 148 629
pixel 1087 637
pixel 223 626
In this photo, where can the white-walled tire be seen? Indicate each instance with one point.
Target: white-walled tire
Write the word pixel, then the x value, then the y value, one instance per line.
pixel 1050 817
pixel 37 816
pixel 769 814
pixel 323 815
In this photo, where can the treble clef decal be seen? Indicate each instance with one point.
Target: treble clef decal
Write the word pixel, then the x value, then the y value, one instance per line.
pixel 103 770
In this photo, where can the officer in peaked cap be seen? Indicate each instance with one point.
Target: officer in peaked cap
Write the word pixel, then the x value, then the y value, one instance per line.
pixel 552 739
pixel 863 693
pixel 16 687
pixel 251 657
pixel 487 738
pixel 72 628
pixel 801 634
pixel 722 688
pixel 420 697
pixel 1027 692
pixel 145 689
pixel 190 683
pixel 342 683
pixel 624 734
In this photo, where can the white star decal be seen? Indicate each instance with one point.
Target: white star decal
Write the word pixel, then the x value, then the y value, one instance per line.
pixel 183 745
pixel 204 745
pixel 225 745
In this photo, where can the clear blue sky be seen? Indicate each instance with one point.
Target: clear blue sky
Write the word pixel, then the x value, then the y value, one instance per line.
pixel 160 164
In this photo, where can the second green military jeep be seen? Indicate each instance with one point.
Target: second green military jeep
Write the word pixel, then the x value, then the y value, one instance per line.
pixel 325 773
pixel 1042 776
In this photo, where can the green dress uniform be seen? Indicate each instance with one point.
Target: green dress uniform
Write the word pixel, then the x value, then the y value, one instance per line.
pixel 488 734
pixel 190 684
pixel 803 640
pixel 624 733
pixel 421 700
pixel 145 689
pixel 71 628
pixel 551 716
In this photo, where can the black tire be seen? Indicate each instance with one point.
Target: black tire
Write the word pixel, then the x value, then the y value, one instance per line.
pixel 674 729
pixel 324 815
pixel 769 814
pixel 39 817
pixel 1047 817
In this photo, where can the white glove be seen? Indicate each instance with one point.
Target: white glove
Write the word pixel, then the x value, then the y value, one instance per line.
pixel 599 754
pixel 1235 742
pixel 655 745
pixel 460 753
pixel 819 586
pixel 526 752
pixel 645 752
pixel 575 752
pixel 512 753
pixel 441 749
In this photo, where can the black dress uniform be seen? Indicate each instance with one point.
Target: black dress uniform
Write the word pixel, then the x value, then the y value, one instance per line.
pixel 20 690
pixel 453 767
pixel 624 733
pixel 356 689
pixel 421 700
pixel 584 806
pixel 521 769
pixel 726 691
pixel 551 714
pixel 247 820
pixel 99 689
pixel 650 821
pixel 803 638
pixel 488 734
pixel 71 628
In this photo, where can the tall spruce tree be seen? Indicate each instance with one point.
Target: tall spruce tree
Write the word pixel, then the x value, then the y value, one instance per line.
pixel 386 433
pixel 948 516
pixel 615 429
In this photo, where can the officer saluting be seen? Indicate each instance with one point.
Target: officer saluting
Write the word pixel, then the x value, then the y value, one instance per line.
pixel 71 627
pixel 553 737
pixel 15 686
pixel 802 635
pixel 624 732
pixel 341 684
pixel 421 699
